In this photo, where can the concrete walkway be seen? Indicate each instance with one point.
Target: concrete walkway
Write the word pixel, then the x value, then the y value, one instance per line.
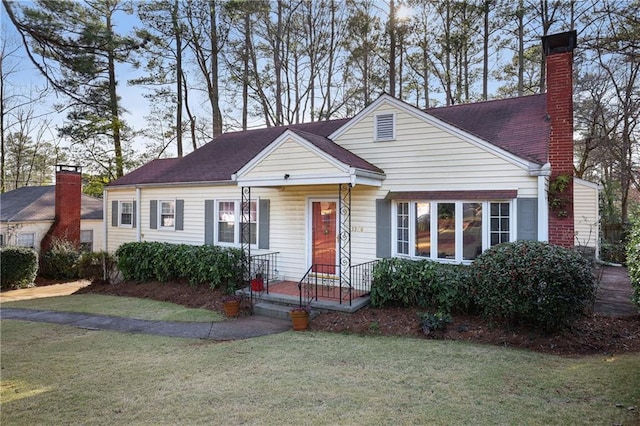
pixel 242 328
pixel 614 293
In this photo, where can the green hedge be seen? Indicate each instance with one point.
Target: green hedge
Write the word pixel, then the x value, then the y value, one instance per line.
pixel 92 265
pixel 148 261
pixel 18 267
pixel 60 262
pixel 533 283
pixel 420 283
pixel 633 259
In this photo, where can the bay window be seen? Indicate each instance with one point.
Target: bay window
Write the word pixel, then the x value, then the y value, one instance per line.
pixel 450 230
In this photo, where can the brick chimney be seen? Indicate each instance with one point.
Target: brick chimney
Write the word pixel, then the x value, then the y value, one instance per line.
pixel 558 49
pixel 66 224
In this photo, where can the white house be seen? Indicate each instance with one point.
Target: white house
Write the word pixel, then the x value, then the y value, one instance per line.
pixel 442 184
pixel 31 214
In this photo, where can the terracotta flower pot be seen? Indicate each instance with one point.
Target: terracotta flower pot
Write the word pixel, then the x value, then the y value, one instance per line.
pixel 231 308
pixel 300 320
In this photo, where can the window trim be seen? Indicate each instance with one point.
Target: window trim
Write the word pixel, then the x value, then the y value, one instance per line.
pixel 237 241
pixel 120 204
pixel 159 218
pixel 87 242
pixel 33 235
pixel 459 220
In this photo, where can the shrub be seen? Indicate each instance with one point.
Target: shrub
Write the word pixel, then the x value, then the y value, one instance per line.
pixel 422 283
pixel 529 282
pixel 96 265
pixel 434 322
pixel 215 266
pixel 60 261
pixel 633 259
pixel 18 267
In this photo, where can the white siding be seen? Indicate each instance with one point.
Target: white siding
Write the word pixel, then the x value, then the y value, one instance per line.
pixel 294 159
pixel 585 213
pixel 98 232
pixel 10 231
pixel 423 157
pixel 117 236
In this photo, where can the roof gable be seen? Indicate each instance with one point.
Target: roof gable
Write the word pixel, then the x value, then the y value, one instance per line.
pixel 515 129
pixel 219 159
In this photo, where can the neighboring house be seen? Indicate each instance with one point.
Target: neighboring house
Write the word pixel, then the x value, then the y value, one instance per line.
pixel 442 184
pixel 28 214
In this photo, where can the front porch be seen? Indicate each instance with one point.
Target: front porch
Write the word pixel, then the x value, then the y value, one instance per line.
pixel 320 291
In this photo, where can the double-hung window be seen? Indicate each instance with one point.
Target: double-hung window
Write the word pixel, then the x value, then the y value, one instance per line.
pixel 450 230
pixel 26 239
pixel 126 213
pixel 167 214
pixel 229 215
pixel 86 240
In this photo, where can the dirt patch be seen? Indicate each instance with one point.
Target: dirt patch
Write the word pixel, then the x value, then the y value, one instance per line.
pixel 594 334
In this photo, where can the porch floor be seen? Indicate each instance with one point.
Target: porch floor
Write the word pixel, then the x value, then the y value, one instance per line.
pixel 328 293
pixel 287 293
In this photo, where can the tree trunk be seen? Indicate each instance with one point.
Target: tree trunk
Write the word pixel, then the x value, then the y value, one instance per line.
pixel 113 101
pixel 178 38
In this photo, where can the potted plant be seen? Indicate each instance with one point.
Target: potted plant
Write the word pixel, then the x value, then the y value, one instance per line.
pixel 300 317
pixel 231 304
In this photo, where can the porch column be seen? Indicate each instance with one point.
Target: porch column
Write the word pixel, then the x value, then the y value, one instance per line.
pixel 245 234
pixel 344 218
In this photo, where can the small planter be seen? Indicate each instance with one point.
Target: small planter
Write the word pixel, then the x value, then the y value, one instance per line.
pixel 257 284
pixel 231 305
pixel 299 319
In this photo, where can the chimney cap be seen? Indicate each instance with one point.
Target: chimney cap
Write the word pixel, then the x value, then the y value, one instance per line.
pixel 559 43
pixel 66 168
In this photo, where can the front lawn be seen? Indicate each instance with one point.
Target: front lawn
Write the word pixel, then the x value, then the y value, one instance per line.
pixel 54 374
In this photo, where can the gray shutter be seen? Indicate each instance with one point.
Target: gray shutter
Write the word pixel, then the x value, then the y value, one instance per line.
pixel 383 228
pixel 114 213
pixel 208 221
pixel 179 215
pixel 263 224
pixel 153 214
pixel 527 219
pixel 134 214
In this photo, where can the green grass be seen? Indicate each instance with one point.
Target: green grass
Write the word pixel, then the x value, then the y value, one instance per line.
pixel 53 374
pixel 118 306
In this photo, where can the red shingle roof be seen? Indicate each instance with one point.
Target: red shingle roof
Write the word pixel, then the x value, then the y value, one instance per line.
pixel 518 125
pixel 219 159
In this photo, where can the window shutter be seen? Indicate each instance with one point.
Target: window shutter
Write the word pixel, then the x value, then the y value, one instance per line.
pixel 384 127
pixel 208 221
pixel 153 214
pixel 114 213
pixel 527 218
pixel 179 215
pixel 383 228
pixel 263 224
pixel 134 214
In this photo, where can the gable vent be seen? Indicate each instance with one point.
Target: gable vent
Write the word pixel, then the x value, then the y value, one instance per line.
pixel 385 127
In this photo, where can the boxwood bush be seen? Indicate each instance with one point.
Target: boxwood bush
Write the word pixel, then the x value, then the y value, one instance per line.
pixel 148 261
pixel 96 265
pixel 533 283
pixel 18 267
pixel 420 283
pixel 633 259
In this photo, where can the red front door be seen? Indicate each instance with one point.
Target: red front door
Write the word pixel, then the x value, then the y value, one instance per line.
pixel 323 236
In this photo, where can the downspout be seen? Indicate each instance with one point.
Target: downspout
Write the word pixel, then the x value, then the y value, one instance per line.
pixel 105 228
pixel 543 203
pixel 138 219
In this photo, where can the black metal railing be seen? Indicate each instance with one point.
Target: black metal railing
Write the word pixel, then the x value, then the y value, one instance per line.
pixel 263 269
pixel 323 281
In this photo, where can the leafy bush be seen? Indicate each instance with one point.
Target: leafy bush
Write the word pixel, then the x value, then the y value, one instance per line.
pixel 18 267
pixel 92 265
pixel 431 322
pixel 633 259
pixel 60 261
pixel 613 252
pixel 422 283
pixel 147 261
pixel 532 283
